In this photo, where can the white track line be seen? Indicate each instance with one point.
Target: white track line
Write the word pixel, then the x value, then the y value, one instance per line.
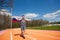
pixel 11 35
pixel 45 35
pixel 30 37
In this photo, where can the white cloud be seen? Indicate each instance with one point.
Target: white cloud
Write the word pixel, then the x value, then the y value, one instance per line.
pixel 52 15
pixel 17 17
pixel 1 13
pixel 4 11
pixel 28 16
pixel 57 19
pixel 31 15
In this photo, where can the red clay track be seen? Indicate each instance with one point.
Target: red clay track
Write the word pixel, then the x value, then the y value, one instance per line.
pixel 14 34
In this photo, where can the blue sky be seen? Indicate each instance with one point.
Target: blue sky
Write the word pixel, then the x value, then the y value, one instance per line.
pixel 38 9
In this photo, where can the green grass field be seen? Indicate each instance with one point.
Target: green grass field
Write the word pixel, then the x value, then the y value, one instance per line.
pixel 40 28
pixel 45 27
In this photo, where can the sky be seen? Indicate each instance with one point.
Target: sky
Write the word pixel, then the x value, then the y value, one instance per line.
pixel 37 9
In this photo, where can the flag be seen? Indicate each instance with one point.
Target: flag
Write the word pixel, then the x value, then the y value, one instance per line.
pixel 14 20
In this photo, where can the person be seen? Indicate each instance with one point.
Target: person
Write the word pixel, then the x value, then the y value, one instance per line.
pixel 23 26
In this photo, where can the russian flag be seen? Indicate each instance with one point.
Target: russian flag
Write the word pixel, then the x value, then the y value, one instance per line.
pixel 14 20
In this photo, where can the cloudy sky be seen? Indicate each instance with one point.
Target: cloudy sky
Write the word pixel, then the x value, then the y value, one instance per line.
pixel 5 11
pixel 37 9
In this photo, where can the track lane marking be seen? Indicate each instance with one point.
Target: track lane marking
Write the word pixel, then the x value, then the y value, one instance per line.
pixel 45 35
pixel 11 35
pixel 31 37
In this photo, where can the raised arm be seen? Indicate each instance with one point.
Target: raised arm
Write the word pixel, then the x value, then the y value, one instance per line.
pixel 27 20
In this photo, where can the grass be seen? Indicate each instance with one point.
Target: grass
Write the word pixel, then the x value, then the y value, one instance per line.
pixel 45 27
pixel 40 28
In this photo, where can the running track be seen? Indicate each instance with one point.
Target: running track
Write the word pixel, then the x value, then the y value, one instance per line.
pixel 14 34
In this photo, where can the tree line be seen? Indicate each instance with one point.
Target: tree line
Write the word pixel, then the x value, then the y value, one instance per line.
pixel 32 23
pixel 5 20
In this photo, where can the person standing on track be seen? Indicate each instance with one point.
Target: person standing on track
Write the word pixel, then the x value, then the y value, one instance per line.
pixel 23 26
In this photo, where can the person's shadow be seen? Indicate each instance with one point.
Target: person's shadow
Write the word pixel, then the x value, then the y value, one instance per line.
pixel 19 35
pixel 16 34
